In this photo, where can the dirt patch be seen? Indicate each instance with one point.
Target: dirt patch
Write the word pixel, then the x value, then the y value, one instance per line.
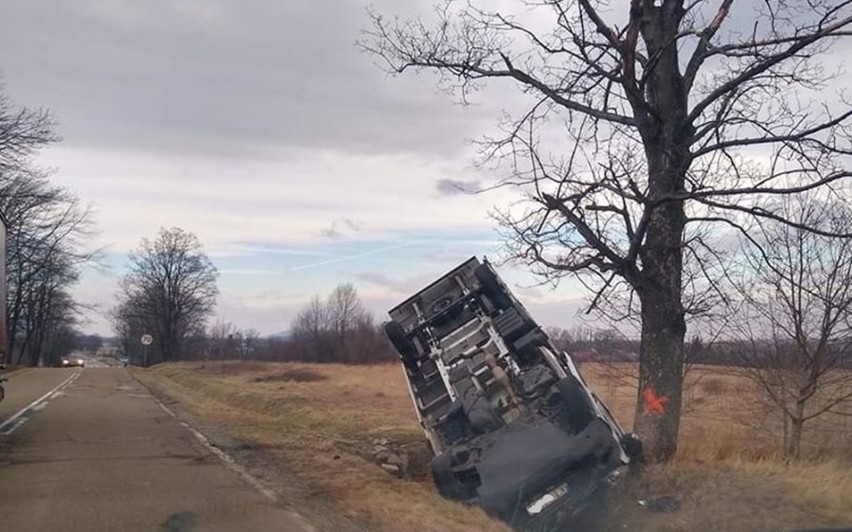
pixel 293 375
pixel 226 368
pixel 405 460
pixel 713 386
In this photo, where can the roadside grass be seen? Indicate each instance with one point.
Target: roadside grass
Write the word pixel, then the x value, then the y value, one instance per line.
pixel 728 472
pixel 321 421
pixel 725 416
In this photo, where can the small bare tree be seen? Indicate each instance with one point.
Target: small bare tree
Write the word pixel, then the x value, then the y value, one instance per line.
pixel 346 315
pixel 645 127
pixel 249 342
pixel 221 340
pixel 795 314
pixel 310 331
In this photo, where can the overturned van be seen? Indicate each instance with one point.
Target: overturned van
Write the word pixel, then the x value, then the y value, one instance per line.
pixel 512 425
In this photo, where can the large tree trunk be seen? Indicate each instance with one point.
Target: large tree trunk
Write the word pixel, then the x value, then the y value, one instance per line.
pixel 660 287
pixel 663 321
pixel 660 375
pixel 666 135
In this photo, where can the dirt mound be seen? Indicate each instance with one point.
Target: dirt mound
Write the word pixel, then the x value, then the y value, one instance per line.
pixel 409 460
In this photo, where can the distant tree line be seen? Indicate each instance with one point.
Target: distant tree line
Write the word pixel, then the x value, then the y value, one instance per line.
pixel 170 294
pixel 337 329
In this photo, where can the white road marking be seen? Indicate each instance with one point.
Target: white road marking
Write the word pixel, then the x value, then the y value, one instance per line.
pixel 229 462
pixel 222 455
pixel 10 425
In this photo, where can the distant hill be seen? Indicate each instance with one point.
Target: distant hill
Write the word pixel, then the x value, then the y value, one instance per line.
pixel 283 335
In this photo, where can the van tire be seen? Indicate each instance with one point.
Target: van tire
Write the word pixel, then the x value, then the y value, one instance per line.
pixel 405 347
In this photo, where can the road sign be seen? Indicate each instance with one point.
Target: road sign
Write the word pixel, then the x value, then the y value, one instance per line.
pixel 147 339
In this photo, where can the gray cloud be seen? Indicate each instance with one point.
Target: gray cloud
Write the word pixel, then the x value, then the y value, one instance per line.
pixel 341 228
pixel 528 292
pixel 216 77
pixel 446 256
pixel 452 187
pixel 398 286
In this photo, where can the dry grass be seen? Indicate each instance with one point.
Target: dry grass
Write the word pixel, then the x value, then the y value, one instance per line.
pixel 292 375
pixel 727 472
pixel 724 416
pixel 736 494
pixel 320 419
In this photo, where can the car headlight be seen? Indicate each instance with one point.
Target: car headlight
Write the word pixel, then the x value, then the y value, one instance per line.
pixel 64 362
pixel 80 361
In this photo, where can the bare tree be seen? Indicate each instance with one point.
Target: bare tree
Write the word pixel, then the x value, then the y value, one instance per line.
pixel 338 330
pixel 563 339
pixel 23 132
pixel 221 340
pixel 645 127
pixel 90 342
pixel 310 331
pixel 248 342
pixel 347 317
pixel 170 291
pixel 45 239
pixel 128 328
pixel 795 314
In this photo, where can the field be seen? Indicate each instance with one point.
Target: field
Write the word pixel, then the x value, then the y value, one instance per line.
pixel 317 426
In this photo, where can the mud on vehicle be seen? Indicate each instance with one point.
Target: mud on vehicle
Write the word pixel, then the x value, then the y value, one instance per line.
pixel 512 425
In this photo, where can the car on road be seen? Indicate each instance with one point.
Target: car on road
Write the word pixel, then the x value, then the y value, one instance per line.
pixel 512 425
pixel 67 362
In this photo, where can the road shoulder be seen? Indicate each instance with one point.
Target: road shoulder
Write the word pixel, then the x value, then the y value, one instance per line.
pixel 267 474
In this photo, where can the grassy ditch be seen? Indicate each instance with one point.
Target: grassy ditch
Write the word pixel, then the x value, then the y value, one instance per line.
pixel 324 421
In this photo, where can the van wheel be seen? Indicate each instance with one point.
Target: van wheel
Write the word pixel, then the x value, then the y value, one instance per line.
pixel 445 479
pixel 403 345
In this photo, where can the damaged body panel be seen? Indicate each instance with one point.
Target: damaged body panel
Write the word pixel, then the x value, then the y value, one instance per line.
pixel 512 425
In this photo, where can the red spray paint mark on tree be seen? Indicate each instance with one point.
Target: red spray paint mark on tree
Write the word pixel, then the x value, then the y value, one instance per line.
pixel 654 404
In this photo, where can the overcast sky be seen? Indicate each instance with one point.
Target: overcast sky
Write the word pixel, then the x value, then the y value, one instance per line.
pixel 260 127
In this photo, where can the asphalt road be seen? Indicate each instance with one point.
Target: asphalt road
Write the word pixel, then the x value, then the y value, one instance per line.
pixel 100 454
pixel 27 385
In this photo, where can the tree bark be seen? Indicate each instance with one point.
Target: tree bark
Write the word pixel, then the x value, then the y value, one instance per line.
pixel 794 437
pixel 666 135
pixel 660 375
